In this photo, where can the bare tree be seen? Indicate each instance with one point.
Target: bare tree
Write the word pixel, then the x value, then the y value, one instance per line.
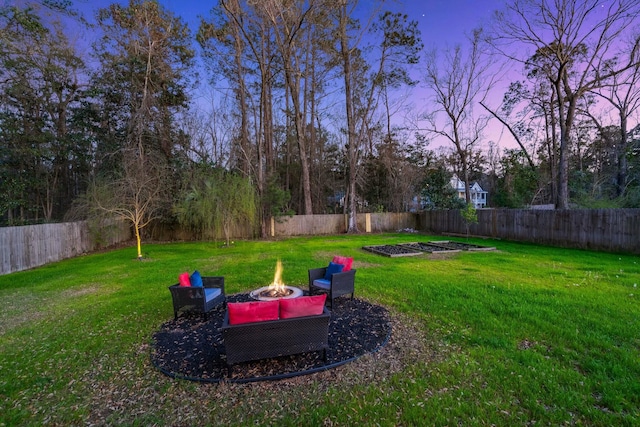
pixel 138 195
pixel 458 81
pixel 574 42
pixel 622 91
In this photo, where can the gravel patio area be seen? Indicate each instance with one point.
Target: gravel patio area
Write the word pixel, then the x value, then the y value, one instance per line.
pixel 192 347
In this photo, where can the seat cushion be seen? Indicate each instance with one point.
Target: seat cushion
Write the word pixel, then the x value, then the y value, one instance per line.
pixel 211 293
pixel 253 311
pixel 322 284
pixel 332 269
pixel 302 306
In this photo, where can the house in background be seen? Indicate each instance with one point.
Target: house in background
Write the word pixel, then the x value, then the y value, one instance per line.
pixel 478 195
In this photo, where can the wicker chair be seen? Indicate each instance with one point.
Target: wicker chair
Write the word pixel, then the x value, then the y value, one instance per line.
pixel 198 299
pixel 340 283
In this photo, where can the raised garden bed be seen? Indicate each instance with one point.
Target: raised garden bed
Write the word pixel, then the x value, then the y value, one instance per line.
pixel 428 247
pixel 392 250
pixel 447 244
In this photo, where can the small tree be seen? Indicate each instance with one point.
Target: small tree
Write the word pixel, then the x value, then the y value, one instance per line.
pixel 138 195
pixel 469 215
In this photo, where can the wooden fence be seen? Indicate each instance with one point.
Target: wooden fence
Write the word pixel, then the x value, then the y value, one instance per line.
pixel 296 225
pixel 611 230
pixel 300 225
pixel 30 246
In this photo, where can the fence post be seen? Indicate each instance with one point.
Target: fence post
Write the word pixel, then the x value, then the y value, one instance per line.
pixel 367 222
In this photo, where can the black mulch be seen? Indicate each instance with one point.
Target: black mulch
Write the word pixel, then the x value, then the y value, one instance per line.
pixel 192 347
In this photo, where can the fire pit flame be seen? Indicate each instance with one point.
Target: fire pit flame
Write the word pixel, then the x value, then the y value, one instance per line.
pixel 278 286
pixel 277 289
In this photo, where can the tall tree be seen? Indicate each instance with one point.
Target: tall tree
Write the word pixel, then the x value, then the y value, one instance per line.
pixel 40 87
pixel 367 79
pixel 145 60
pixel 145 57
pixel 399 48
pixel 228 39
pixel 290 23
pixel 346 54
pixel 240 42
pixel 574 42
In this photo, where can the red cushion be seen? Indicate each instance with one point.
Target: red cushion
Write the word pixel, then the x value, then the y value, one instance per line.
pixel 183 279
pixel 347 262
pixel 302 306
pixel 253 311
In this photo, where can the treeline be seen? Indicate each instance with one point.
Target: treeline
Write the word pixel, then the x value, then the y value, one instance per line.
pixel 307 111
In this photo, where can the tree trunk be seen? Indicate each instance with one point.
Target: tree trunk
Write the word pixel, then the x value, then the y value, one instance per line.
pixel 351 137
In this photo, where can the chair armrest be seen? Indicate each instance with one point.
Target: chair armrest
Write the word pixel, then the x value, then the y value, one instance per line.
pixel 344 280
pixel 316 273
pixel 213 282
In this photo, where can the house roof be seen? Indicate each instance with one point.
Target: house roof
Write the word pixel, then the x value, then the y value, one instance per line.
pixel 458 184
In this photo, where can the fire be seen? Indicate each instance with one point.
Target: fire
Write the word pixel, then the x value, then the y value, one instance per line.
pixel 277 289
pixel 278 285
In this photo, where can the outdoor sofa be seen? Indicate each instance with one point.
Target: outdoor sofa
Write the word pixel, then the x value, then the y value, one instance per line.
pixel 268 331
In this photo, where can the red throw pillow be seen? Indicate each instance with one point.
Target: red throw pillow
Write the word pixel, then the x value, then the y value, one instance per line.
pixel 183 279
pixel 253 311
pixel 302 306
pixel 347 262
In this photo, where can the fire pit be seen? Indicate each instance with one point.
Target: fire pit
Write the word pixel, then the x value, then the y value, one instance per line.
pixel 277 289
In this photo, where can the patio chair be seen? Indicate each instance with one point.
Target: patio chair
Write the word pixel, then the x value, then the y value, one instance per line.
pixel 332 280
pixel 198 299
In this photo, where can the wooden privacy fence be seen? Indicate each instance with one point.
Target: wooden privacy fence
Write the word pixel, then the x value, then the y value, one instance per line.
pixel 300 225
pixel 297 225
pixel 612 230
pixel 30 246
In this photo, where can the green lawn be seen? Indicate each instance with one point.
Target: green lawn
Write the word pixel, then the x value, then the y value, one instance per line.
pixel 522 335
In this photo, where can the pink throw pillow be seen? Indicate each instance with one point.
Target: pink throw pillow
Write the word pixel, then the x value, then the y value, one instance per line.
pixel 347 262
pixel 253 311
pixel 302 306
pixel 183 279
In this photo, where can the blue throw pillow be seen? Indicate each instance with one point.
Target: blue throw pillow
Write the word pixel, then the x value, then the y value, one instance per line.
pixel 196 279
pixel 331 269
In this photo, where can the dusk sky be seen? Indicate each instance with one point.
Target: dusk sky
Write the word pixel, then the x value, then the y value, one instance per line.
pixel 442 23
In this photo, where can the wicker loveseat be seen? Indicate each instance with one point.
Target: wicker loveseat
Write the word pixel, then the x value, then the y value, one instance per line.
pixel 262 339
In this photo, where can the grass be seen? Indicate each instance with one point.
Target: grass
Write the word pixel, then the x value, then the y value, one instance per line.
pixel 519 336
